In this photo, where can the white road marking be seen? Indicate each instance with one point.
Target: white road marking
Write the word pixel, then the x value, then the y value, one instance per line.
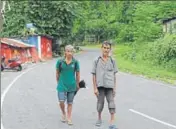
pixel 152 118
pixel 8 88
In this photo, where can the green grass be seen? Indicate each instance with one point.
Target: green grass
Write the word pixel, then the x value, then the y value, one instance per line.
pixel 140 67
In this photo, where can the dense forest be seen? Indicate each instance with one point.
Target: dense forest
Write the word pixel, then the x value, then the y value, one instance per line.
pixel 121 21
pixel 136 23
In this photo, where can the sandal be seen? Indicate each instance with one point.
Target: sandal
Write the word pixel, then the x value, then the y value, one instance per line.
pixel 69 122
pixel 98 123
pixel 63 119
pixel 112 127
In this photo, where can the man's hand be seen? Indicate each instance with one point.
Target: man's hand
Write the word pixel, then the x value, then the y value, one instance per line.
pixel 78 87
pixel 96 92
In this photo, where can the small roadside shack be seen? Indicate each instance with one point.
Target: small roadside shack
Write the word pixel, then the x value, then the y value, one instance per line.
pixel 43 44
pixel 12 48
pixel 169 25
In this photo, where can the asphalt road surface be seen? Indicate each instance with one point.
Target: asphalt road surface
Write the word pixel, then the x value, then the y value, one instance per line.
pixel 29 100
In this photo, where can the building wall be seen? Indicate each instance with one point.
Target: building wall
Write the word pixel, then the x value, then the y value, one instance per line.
pixel 170 27
pixel 34 55
pixel 174 26
pixel 6 51
pixel 25 54
pixel 46 48
pixel 33 40
pixel 43 45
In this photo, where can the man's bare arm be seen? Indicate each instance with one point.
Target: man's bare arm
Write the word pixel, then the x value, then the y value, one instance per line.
pixel 77 79
pixel 115 85
pixel 57 75
pixel 115 82
pixel 94 82
pixel 115 78
pixel 95 85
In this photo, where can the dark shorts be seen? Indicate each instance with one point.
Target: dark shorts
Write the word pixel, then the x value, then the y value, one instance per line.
pixel 63 96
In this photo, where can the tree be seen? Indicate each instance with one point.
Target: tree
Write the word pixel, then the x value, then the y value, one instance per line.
pixel 54 18
pixel 122 21
pixel 3 5
pixel 1 20
pixel 16 19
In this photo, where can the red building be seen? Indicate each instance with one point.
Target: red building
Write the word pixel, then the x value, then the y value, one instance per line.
pixel 46 47
pixel 43 44
pixel 11 48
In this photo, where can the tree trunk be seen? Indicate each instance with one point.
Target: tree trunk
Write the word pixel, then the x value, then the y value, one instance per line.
pixel 98 39
pixel 1 19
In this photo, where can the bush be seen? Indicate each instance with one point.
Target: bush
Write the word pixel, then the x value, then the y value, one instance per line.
pixel 163 51
pixel 171 65
pixel 132 52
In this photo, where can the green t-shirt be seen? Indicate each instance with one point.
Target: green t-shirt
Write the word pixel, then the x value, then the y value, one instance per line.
pixel 67 79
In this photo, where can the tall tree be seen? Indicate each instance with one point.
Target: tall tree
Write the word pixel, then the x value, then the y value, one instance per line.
pixel 16 19
pixel 54 18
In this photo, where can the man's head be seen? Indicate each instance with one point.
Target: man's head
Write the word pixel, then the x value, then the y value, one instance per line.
pixel 106 48
pixel 69 50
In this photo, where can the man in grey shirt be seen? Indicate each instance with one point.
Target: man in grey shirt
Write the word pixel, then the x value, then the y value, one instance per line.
pixel 104 82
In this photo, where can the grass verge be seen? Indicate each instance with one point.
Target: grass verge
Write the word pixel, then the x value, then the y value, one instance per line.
pixel 139 66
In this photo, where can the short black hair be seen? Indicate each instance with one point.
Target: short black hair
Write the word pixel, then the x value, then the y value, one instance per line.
pixel 106 43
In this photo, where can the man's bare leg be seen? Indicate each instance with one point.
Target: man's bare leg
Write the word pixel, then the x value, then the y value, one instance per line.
pixel 99 121
pixel 99 116
pixel 69 111
pixel 112 120
pixel 111 106
pixel 62 107
pixel 69 114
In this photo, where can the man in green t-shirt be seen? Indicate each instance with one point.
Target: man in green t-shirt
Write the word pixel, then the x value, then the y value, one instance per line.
pixel 68 78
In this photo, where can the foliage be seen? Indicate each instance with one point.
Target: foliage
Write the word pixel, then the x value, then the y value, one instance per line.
pixel 138 65
pixel 120 21
pixel 137 23
pixel 16 18
pixel 163 51
pixel 53 18
pixel 123 21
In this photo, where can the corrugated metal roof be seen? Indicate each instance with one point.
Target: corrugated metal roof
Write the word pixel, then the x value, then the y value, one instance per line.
pixel 15 43
pixel 168 19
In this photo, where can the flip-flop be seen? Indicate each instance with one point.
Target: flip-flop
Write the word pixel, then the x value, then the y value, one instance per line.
pixel 63 119
pixel 112 127
pixel 69 122
pixel 98 123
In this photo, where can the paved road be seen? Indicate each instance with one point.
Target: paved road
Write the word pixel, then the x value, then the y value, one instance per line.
pixel 31 101
pixel 7 76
